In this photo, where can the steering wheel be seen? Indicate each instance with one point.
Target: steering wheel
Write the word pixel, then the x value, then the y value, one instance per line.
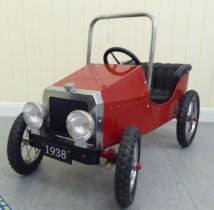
pixel 133 58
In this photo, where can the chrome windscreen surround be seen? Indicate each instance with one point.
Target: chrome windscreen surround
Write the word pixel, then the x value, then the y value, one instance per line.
pixel 92 97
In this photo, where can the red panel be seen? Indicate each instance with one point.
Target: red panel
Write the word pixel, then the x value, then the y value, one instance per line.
pixel 162 113
pixel 139 111
pixel 98 76
pixel 125 104
pixel 126 98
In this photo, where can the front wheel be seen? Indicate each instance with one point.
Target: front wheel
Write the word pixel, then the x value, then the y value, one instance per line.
pixel 23 158
pixel 126 172
pixel 187 121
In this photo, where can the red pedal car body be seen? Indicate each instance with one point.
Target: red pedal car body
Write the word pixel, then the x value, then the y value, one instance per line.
pixel 88 112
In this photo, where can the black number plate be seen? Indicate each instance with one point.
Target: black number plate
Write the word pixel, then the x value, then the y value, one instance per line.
pixel 58 153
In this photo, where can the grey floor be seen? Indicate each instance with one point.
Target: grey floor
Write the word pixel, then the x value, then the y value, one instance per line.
pixel 172 178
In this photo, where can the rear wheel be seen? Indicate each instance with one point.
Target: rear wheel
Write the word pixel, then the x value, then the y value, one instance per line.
pixel 126 172
pixel 23 158
pixel 187 121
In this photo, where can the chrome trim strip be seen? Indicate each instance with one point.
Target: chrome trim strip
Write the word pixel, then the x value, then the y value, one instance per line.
pixel 127 15
pixel 93 99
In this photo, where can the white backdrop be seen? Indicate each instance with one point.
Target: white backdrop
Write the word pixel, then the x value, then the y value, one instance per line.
pixel 42 41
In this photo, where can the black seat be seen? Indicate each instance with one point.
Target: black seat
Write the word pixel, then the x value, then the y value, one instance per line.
pixel 164 79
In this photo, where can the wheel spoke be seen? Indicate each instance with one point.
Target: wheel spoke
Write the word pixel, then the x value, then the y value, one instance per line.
pixel 25 141
pixel 189 118
pixel 35 151
pixel 133 174
pixel 29 154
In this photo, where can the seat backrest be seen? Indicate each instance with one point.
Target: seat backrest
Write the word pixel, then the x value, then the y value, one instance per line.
pixel 166 76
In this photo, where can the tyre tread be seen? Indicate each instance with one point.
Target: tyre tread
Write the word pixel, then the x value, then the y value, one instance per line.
pixel 124 160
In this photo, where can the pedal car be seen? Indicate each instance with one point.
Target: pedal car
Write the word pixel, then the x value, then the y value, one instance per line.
pixel 88 112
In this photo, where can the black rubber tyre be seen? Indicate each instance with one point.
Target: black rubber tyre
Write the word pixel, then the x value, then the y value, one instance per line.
pixel 124 193
pixel 188 118
pixel 14 152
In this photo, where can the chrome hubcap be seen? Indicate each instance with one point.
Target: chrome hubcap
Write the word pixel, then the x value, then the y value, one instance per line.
pixel 134 169
pixel 192 118
pixel 29 154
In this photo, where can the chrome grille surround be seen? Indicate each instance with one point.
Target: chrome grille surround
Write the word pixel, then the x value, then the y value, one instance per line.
pixel 92 97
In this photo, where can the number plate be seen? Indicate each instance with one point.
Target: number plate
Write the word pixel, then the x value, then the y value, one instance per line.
pixel 58 153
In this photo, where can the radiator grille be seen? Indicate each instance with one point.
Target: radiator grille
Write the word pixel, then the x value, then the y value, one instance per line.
pixel 59 109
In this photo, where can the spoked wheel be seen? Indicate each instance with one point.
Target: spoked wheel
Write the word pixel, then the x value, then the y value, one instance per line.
pixel 126 172
pixel 23 158
pixel 188 116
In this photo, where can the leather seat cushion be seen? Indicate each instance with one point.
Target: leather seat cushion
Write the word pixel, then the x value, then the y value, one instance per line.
pixel 164 79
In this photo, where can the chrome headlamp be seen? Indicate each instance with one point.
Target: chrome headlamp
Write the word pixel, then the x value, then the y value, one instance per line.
pixel 34 115
pixel 80 125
